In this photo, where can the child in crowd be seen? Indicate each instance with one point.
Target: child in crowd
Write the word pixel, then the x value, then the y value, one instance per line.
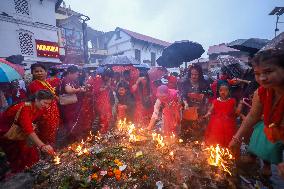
pixel 125 104
pixel 223 113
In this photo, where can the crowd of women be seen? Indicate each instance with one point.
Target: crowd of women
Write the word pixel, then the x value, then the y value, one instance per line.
pixel 187 105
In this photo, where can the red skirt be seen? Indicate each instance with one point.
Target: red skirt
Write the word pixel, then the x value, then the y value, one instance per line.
pixel 220 130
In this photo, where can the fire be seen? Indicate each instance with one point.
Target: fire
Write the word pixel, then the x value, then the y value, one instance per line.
pixel 220 157
pixel 56 160
pixel 159 139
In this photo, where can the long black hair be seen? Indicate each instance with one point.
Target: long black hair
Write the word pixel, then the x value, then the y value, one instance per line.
pixel 198 68
pixel 37 65
pixel 43 94
pixel 271 54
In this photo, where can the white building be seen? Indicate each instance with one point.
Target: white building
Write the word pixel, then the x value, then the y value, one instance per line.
pixel 143 48
pixel 28 28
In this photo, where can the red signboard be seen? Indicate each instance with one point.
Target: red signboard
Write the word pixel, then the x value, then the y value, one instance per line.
pixel 47 49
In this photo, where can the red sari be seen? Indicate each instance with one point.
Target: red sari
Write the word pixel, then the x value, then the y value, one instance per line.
pixel 103 104
pixel 273 116
pixel 222 124
pixel 142 114
pixel 19 153
pixel 70 112
pixel 87 113
pixel 49 122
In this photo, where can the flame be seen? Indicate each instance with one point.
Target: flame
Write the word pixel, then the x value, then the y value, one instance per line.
pixel 220 157
pixel 158 138
pixel 56 160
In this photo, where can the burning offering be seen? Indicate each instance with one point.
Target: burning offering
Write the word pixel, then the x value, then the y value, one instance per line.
pixel 220 157
pixel 116 160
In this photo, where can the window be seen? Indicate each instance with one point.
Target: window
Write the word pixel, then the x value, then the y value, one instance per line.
pixel 138 55
pixel 153 59
pixel 26 43
pixel 22 7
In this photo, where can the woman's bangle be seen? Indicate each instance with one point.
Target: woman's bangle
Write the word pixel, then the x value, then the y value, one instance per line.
pixel 238 140
pixel 41 147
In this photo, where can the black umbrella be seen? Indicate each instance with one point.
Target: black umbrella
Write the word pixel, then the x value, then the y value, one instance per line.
pixel 119 60
pixel 252 45
pixel 179 52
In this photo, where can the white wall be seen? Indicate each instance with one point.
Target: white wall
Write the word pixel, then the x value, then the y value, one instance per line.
pixel 120 45
pixel 146 51
pixel 44 30
pixel 124 44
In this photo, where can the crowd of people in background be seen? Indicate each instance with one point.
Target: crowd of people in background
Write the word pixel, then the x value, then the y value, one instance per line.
pixel 187 105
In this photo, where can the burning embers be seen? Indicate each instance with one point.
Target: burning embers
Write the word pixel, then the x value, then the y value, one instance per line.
pixel 220 157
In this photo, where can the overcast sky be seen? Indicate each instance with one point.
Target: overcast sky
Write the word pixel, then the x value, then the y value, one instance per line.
pixel 208 22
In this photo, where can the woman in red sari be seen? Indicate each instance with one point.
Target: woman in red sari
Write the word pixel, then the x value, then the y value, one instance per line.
pixel 49 122
pixel 70 112
pixel 143 100
pixel 268 100
pixel 103 92
pixel 87 113
pixel 20 153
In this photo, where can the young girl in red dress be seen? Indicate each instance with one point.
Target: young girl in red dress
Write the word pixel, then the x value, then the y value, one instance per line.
pixel 223 114
pixel 20 154
pixel 49 122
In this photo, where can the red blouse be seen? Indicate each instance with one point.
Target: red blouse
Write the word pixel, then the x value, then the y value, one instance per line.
pixel 37 85
pixel 273 116
pixel 27 116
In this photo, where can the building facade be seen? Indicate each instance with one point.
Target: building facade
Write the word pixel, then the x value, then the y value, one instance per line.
pixel 28 28
pixel 143 48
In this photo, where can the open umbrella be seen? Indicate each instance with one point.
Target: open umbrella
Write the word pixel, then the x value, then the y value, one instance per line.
pixel 179 52
pixel 119 60
pixel 8 73
pixel 251 45
pixel 20 69
pixel 232 66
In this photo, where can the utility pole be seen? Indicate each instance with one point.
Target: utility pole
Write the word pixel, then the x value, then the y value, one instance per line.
pixel 84 19
pixel 278 11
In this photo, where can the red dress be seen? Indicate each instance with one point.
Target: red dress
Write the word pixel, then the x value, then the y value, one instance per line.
pixel 54 82
pixel 49 122
pixel 222 124
pixel 103 104
pixel 19 153
pixel 273 116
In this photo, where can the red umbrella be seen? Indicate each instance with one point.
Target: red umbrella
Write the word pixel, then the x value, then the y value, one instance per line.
pixel 18 68
pixel 157 73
